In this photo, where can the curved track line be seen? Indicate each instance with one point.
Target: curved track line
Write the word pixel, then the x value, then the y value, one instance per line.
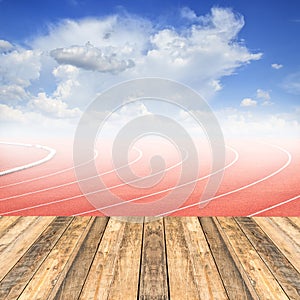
pixel 241 188
pixel 274 206
pixel 78 196
pixel 49 175
pixel 51 154
pixel 115 186
pixel 169 189
pixel 71 182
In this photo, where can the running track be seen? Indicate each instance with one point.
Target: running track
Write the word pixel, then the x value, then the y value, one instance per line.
pixel 260 178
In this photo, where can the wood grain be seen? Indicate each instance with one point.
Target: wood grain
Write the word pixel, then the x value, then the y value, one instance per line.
pixel 263 281
pixel 132 258
pixel 154 277
pixel 48 274
pixel 18 238
pixel 192 272
pixel 282 238
pixel 15 281
pixel 6 223
pixel 231 277
pixel 282 269
pixel 114 273
pixel 72 284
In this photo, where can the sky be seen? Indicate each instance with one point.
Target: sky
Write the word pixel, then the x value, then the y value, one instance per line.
pixel 241 56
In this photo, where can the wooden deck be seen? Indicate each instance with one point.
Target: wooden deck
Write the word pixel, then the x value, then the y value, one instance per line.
pixel 171 258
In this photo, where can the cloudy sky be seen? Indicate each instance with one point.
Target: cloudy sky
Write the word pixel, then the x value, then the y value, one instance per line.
pixel 241 56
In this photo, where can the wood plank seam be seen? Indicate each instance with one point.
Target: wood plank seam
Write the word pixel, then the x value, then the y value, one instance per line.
pixel 48 254
pixel 266 264
pixel 166 253
pixel 71 258
pixel 141 258
pixel 282 269
pixel 92 258
pixel 51 271
pixel 31 248
pixel 259 274
pixel 287 243
pixel 213 257
pixel 35 222
pixel 237 261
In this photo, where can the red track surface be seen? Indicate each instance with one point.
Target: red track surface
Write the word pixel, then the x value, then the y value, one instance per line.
pixel 261 179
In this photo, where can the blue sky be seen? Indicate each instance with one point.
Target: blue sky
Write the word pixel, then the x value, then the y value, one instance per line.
pixel 265 83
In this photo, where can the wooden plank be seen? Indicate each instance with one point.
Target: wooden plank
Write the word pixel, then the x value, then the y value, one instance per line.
pixel 291 230
pixel 13 230
pixel 15 281
pixel 231 277
pixel 281 268
pixel 296 221
pixel 192 271
pixel 6 223
pixel 154 277
pixel 54 267
pixel 73 282
pixel 114 273
pixel 18 238
pixel 263 281
pixel 287 244
pixel 236 260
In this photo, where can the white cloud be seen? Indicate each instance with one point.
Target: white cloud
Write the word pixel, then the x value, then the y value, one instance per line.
pixel 10 114
pixel 67 80
pixel 92 58
pixel 262 94
pixel 5 46
pixel 188 13
pixel 202 54
pixel 53 107
pixel 124 48
pixel 20 67
pixel 12 93
pixel 65 71
pixel 276 66
pixel 245 123
pixel 246 102
pixel 199 55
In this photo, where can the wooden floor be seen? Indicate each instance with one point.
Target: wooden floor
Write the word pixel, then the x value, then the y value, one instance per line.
pixel 171 258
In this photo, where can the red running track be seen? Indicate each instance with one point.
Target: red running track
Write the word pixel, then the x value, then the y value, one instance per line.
pixel 260 178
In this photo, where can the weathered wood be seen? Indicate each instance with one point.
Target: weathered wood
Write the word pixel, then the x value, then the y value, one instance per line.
pixel 290 229
pixel 296 221
pixel 54 265
pixel 73 282
pixel 6 223
pixel 171 258
pixel 263 281
pixel 281 237
pixel 15 281
pixel 114 273
pixel 154 277
pixel 281 268
pixel 192 272
pixel 16 241
pixel 231 277
pixel 236 260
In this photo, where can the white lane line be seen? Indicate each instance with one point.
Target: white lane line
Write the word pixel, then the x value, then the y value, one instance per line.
pixel 51 154
pixel 49 175
pixel 71 182
pixel 274 206
pixel 115 186
pixel 241 188
pixel 169 189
